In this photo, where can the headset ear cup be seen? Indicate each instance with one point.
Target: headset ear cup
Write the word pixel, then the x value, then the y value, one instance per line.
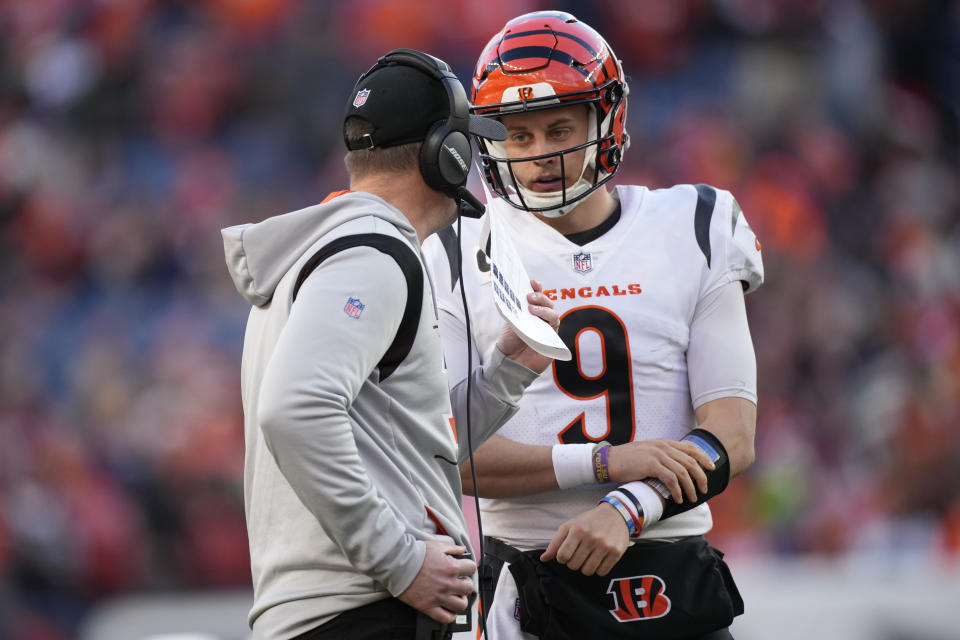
pixel 445 158
pixel 429 156
pixel 455 157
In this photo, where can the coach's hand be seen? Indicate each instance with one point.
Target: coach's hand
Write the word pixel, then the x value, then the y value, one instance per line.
pixel 443 583
pixel 516 349
pixel 678 465
pixel 591 542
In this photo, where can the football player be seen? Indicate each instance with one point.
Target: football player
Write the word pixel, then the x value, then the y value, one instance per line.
pixel 594 496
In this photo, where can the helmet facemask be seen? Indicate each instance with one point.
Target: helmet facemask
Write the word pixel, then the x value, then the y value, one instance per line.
pixel 498 166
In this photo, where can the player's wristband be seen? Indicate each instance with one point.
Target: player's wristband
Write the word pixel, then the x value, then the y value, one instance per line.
pixel 573 465
pixel 633 521
pixel 601 469
pixel 647 498
pixel 633 509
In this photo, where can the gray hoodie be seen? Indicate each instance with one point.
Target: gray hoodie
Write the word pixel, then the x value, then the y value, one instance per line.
pixel 346 475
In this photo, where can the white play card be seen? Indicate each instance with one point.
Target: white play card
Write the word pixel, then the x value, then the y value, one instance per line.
pixel 511 284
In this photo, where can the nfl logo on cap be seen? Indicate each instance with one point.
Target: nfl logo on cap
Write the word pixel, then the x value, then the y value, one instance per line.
pixel 582 262
pixel 353 307
pixel 361 98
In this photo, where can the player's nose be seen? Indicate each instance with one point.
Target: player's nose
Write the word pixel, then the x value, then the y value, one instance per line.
pixel 541 148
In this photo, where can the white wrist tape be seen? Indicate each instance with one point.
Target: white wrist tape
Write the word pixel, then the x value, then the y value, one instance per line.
pixel 648 498
pixel 573 465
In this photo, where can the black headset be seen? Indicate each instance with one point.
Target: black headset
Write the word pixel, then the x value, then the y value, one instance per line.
pixel 445 156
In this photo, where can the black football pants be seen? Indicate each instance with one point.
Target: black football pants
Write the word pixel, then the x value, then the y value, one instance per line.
pixel 387 619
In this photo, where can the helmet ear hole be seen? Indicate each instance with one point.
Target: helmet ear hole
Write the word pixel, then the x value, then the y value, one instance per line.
pixel 613 94
pixel 611 159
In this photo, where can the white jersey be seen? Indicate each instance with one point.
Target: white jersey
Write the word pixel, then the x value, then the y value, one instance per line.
pixel 626 301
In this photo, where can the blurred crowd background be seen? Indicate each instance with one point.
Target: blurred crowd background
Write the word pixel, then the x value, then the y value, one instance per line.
pixel 131 131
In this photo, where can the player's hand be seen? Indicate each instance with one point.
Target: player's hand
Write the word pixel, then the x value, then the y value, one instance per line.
pixel 591 542
pixel 516 349
pixel 678 465
pixel 443 583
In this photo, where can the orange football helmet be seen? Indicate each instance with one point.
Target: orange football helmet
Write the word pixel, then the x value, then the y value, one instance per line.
pixel 543 60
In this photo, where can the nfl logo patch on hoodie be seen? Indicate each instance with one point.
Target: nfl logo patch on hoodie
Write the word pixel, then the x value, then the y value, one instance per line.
pixel 354 307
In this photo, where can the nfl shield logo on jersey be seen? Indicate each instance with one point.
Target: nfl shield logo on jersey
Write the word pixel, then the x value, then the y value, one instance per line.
pixel 354 307
pixel 361 98
pixel 582 262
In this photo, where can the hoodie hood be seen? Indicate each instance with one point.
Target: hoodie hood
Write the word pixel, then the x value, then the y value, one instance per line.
pixel 259 255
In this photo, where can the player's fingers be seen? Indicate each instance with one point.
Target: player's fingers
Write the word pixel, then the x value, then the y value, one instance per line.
pixel 577 558
pixel 698 454
pixel 668 477
pixel 608 562
pixel 696 472
pixel 593 562
pixel 536 285
pixel 672 474
pixel 567 550
pixel 683 477
pixel 551 551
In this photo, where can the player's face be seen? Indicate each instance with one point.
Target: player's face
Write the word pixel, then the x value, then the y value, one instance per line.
pixel 540 132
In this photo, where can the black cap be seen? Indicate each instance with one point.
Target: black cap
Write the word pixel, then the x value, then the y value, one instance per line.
pixel 402 103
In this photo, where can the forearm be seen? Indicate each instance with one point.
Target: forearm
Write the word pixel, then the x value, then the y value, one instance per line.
pixel 508 469
pixel 725 435
pixel 495 392
pixel 733 421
